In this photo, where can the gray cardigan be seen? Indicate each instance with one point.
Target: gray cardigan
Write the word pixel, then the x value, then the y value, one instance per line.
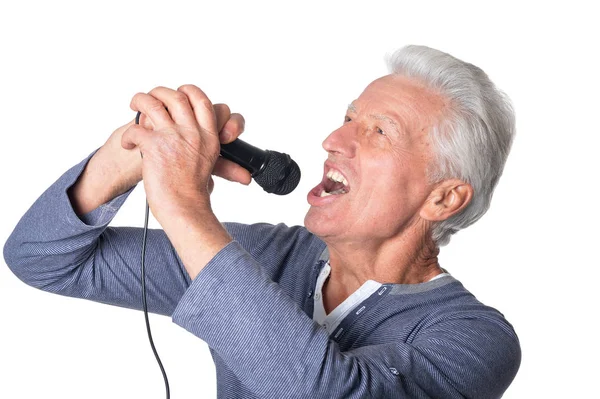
pixel 252 304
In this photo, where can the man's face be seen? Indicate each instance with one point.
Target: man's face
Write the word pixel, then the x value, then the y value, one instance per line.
pixel 379 158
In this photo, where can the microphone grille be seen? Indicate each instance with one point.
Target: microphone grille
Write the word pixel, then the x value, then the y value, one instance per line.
pixel 280 175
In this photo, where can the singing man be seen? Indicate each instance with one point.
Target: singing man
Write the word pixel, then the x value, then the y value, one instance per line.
pixel 354 304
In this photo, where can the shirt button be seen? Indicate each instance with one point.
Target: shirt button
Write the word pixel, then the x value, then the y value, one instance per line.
pixel 394 371
pixel 317 296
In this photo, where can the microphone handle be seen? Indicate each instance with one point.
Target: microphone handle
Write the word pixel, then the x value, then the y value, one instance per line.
pixel 251 158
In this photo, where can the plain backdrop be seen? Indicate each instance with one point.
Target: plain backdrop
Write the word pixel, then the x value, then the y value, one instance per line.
pixel 69 69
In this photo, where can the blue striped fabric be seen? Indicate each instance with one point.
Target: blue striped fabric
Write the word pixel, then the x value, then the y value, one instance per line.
pixel 252 304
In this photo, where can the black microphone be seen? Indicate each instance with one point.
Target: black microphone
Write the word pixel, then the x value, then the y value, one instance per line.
pixel 275 172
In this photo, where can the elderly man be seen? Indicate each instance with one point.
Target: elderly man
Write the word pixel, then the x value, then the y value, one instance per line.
pixel 354 304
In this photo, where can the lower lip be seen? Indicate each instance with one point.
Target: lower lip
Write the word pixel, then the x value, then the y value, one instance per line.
pixel 315 199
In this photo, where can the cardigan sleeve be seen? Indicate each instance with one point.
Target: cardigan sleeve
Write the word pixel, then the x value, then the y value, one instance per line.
pixel 277 351
pixel 235 305
pixel 53 249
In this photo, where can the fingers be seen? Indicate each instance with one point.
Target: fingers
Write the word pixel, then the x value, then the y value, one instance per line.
pixel 181 110
pixel 135 136
pixel 230 125
pixel 232 128
pixel 231 171
pixel 153 108
pixel 145 122
pixel 177 104
pixel 222 113
pixel 202 108
pixel 190 107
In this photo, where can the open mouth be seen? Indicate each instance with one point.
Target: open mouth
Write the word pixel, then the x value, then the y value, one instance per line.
pixel 334 183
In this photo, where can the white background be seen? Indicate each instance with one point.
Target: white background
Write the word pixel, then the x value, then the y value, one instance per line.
pixel 69 70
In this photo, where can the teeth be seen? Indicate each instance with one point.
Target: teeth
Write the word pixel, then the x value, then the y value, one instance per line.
pixel 336 177
pixel 336 192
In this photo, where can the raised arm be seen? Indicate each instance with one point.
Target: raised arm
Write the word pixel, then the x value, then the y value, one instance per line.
pixel 63 243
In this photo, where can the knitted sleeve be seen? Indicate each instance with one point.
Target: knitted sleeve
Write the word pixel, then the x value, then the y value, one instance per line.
pixel 236 305
pixel 277 351
pixel 54 250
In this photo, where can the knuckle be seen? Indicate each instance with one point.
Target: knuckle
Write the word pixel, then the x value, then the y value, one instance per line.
pixel 180 98
pixel 205 104
pixel 146 103
pixel 157 89
pixel 136 98
pixel 223 109
pixel 185 87
pixel 155 106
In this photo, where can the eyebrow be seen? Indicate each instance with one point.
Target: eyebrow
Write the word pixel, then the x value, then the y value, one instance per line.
pixel 352 108
pixel 389 120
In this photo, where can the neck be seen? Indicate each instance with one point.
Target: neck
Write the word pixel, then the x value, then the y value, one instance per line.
pixel 410 258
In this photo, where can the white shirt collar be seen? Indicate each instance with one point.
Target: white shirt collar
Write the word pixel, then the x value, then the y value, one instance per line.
pixel 332 320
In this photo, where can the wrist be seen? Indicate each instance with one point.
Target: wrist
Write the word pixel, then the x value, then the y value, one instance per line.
pixel 99 182
pixel 197 236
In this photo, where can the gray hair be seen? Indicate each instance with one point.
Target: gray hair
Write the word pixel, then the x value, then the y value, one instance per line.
pixel 471 141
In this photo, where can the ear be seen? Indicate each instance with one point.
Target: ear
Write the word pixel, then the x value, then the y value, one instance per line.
pixel 447 199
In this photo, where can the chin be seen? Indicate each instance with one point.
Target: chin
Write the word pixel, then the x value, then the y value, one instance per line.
pixel 310 222
pixel 319 225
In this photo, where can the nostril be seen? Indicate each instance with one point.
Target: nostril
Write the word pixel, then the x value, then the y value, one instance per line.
pixel 334 142
pixel 328 143
pixel 341 141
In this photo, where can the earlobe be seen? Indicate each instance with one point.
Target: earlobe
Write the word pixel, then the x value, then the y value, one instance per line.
pixel 446 200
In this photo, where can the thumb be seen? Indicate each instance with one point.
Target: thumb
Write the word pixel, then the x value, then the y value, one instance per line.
pixel 135 136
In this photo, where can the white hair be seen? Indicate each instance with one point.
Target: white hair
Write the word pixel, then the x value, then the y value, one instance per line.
pixel 472 139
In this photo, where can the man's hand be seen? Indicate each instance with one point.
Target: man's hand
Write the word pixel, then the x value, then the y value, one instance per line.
pixel 179 140
pixel 113 170
pixel 179 136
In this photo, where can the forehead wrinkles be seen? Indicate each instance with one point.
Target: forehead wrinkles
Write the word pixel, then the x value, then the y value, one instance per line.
pixel 398 120
pixel 421 105
pixel 415 117
pixel 415 106
pixel 352 108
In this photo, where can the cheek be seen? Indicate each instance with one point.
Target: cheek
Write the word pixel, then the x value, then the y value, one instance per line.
pixel 399 183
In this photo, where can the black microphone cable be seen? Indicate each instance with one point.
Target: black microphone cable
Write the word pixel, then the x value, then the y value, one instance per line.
pixel 162 369
pixel 275 172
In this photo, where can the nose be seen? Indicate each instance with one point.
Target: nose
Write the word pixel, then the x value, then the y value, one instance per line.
pixel 342 141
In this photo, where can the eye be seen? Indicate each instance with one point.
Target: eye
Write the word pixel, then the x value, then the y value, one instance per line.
pixel 378 130
pixel 347 119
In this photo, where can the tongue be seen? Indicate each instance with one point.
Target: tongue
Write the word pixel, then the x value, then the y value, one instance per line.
pixel 332 187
